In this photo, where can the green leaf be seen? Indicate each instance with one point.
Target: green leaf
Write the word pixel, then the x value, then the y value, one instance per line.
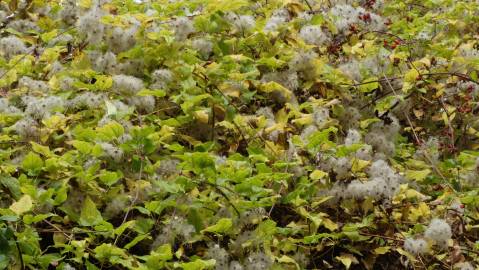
pixel 197 265
pixel 110 131
pixel 410 78
pixel 81 146
pixel 222 226
pixel 318 174
pixel 109 178
pixel 32 163
pixel 148 92
pixel 41 149
pixel 312 239
pixel 163 252
pixel 112 254
pixel 46 37
pixel 369 85
pixel 136 240
pixel 12 184
pixel 90 216
pixel 417 175
pixel 23 205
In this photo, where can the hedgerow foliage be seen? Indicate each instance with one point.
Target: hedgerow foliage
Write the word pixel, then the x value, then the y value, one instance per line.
pixel 235 134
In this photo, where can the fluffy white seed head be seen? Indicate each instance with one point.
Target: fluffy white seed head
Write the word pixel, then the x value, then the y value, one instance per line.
pixel 466 266
pixel 142 103
pixel 278 18
pixel 89 100
pixel 312 34
pixel 352 137
pixel 68 13
pixel 183 27
pixel 235 265
pixel 302 61
pixel 288 79
pixel 241 23
pixel 111 151
pixel 23 26
pixel 203 46
pixel 33 85
pixel 439 231
pixel 116 206
pixel 307 132
pixel 26 127
pixel 161 78
pixel 220 255
pixel 127 85
pixel 11 46
pixel 40 108
pixel 89 25
pixel 416 246
pixel 258 261
pixel 320 116
pixel 121 39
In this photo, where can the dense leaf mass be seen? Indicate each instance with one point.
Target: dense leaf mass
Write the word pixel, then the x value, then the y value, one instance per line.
pixel 239 134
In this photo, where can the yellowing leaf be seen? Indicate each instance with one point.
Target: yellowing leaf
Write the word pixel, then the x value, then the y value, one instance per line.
pixel 369 85
pixel 347 259
pixel 85 3
pixel 381 250
pixel 110 131
pixel 317 174
pixel 329 224
pixel 89 216
pixel 405 253
pixel 202 116
pixel 358 165
pixel 417 175
pixel 421 211
pixel 32 162
pixel 148 92
pixel 286 259
pixel 229 90
pixel 23 205
pixel 222 226
pixel 270 87
pixel 41 149
pixel 81 146
pixel 225 5
pixel 410 79
pixel 306 119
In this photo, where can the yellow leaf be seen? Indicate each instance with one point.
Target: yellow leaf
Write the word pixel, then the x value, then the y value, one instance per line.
pixel 381 250
pixel 306 119
pixel 317 174
pixel 358 49
pixel 405 253
pixel 286 259
pixel 418 113
pixel 23 205
pixel 347 259
pixel 84 3
pixel 229 90
pixel 329 224
pixel 270 87
pixel 358 165
pixel 321 200
pixel 417 175
pixel 410 79
pixel 201 116
pixel 421 211
pixel 413 194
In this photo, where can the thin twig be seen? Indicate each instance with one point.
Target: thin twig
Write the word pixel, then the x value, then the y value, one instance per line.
pixel 426 154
